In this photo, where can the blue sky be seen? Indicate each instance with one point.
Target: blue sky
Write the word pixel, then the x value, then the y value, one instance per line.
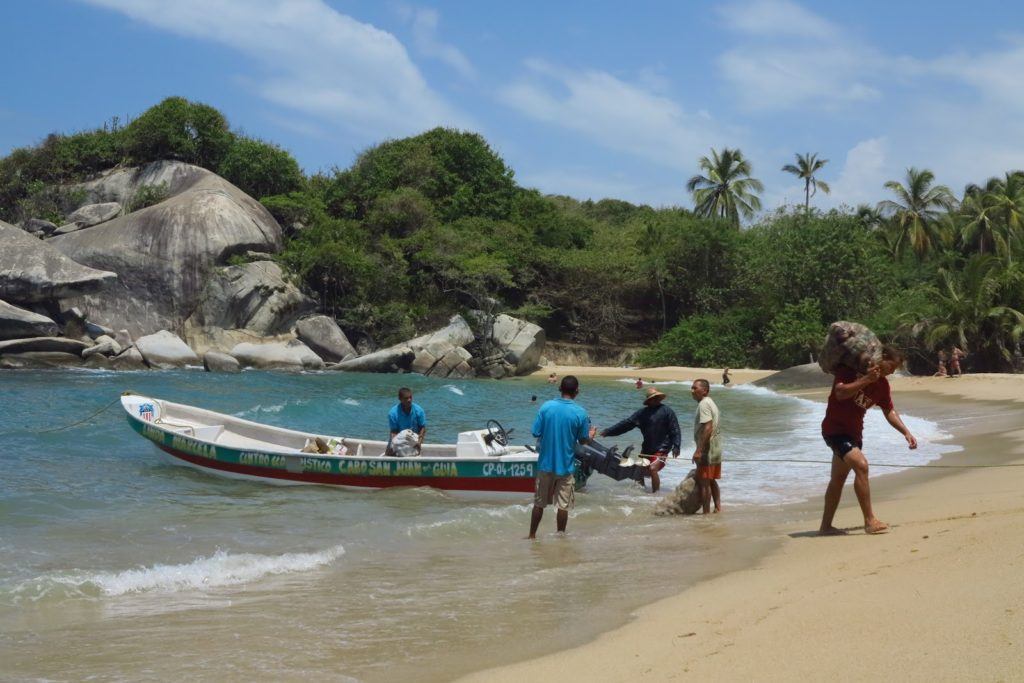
pixel 582 98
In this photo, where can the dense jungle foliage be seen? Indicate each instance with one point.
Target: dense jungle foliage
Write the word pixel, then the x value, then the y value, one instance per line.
pixel 418 228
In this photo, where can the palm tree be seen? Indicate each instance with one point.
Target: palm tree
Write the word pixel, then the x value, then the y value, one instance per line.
pixel 726 188
pixel 916 215
pixel 970 313
pixel 806 166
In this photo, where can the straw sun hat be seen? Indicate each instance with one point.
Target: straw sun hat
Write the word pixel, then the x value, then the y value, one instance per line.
pixel 653 395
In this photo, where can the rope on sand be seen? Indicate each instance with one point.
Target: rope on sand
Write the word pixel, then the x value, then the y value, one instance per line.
pixel 872 464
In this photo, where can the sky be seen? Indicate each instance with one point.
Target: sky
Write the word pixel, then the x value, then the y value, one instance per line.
pixel 588 99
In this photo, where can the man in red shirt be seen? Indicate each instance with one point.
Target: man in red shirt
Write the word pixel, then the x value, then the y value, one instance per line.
pixel 852 395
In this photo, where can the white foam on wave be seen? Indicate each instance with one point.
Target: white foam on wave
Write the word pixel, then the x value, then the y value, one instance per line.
pixel 350 402
pixel 454 389
pixel 220 569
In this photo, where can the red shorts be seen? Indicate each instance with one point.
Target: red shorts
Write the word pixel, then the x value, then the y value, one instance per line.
pixel 709 471
pixel 658 460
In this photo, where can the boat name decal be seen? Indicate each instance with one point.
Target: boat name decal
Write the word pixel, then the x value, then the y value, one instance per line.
pixel 152 433
pixel 508 469
pixel 261 459
pixel 193 447
pixel 316 465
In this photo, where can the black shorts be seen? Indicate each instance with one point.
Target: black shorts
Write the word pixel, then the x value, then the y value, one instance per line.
pixel 841 443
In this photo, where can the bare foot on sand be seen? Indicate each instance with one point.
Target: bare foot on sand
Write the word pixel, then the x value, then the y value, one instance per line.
pixel 831 531
pixel 876 527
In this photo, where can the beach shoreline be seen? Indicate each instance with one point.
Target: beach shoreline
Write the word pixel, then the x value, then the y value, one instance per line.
pixel 946 579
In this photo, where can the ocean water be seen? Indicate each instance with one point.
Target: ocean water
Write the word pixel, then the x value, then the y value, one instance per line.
pixel 117 565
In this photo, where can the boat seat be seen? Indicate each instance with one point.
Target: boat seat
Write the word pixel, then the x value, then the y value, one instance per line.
pixel 209 432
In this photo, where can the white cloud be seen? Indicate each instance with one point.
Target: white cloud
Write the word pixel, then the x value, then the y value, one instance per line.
pixel 426 41
pixel 791 58
pixel 775 18
pixel 863 174
pixel 314 59
pixel 615 114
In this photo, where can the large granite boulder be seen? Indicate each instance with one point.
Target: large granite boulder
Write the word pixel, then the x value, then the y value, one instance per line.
pixel 165 350
pixel 165 254
pixel 322 334
pixel 392 359
pixel 44 345
pixel 94 214
pixel 523 342
pixel 441 359
pixel 456 333
pixel 16 323
pixel 254 297
pixel 129 359
pixel 293 355
pixel 39 359
pixel 215 361
pixel 33 271
pixel 39 227
pixel 104 346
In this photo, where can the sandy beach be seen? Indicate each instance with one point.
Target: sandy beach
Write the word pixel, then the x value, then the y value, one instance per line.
pixel 939 598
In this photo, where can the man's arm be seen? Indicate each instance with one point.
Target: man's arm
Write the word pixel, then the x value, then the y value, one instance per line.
pixel 850 389
pixel 621 427
pixel 674 435
pixel 893 418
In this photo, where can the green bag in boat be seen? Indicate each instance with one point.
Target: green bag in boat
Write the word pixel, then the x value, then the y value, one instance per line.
pixel 850 344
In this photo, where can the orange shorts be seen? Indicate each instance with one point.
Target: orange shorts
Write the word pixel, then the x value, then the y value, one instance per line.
pixel 709 471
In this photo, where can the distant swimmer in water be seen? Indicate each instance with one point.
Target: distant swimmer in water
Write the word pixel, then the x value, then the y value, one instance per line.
pixel 552 378
pixel 725 377
pixel 639 383
pixel 533 399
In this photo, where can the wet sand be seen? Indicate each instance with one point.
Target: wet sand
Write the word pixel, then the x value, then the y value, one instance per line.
pixel 938 598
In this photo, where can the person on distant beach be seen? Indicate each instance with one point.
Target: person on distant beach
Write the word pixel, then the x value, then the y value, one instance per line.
pixel 941 372
pixel 954 362
pixel 660 428
pixel 533 399
pixel 725 377
pixel 639 383
pixel 406 415
pixel 560 424
pixel 851 397
pixel 552 378
pixel 707 435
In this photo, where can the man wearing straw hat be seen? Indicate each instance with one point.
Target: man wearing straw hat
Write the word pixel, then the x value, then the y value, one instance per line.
pixel 660 427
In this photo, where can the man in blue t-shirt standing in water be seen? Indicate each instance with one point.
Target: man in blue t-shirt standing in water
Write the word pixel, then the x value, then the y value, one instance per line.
pixel 561 423
pixel 407 415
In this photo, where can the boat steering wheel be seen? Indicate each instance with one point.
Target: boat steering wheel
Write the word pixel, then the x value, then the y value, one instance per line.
pixel 496 433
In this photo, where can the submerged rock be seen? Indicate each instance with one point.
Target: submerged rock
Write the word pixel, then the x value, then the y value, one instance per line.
pixel 394 359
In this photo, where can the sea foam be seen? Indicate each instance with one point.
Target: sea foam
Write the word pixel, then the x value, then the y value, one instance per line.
pixel 220 569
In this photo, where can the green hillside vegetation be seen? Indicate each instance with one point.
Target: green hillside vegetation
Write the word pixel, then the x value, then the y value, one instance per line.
pixel 418 228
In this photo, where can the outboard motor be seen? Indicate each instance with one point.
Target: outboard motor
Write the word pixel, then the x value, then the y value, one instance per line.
pixel 593 457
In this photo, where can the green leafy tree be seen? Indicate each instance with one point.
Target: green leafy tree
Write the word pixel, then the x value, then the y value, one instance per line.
pixel 796 332
pixel 725 188
pixel 992 217
pixel 915 216
pixel 179 129
pixel 807 165
pixel 705 340
pixel 260 169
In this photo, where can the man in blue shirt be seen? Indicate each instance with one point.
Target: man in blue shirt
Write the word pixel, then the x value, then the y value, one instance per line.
pixel 407 415
pixel 560 424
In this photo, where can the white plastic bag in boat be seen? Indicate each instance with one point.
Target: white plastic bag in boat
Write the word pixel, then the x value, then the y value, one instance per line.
pixel 404 444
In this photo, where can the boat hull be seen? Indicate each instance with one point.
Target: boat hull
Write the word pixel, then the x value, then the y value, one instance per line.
pixel 449 474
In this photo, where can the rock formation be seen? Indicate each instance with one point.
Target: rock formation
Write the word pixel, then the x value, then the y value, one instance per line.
pixel 33 271
pixel 323 335
pixel 16 323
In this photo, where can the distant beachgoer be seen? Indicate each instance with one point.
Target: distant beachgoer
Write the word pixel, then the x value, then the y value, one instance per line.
pixel 639 383
pixel 552 378
pixel 941 372
pixel 725 377
pixel 707 435
pixel 851 397
pixel 560 424
pixel 954 362
pixel 660 427
pixel 406 415
pixel 533 399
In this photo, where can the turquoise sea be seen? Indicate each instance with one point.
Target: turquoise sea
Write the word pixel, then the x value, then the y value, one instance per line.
pixel 115 565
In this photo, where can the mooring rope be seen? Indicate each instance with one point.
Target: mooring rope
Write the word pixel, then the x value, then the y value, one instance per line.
pixel 67 426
